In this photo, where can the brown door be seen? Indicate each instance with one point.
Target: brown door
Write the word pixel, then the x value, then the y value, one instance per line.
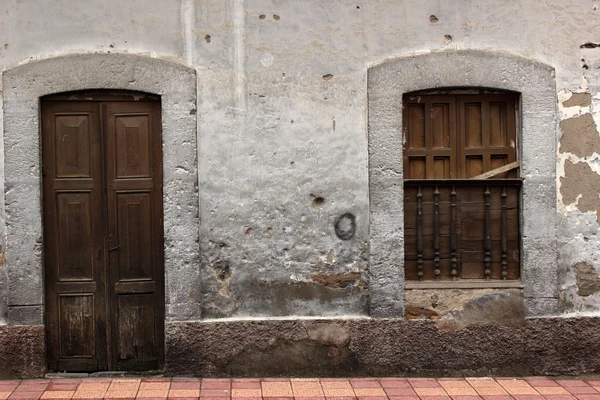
pixel 103 241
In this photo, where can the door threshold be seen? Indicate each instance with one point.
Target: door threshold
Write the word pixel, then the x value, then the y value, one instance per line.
pixel 102 374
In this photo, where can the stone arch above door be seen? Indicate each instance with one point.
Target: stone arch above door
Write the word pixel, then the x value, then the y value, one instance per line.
pixel 387 82
pixel 23 87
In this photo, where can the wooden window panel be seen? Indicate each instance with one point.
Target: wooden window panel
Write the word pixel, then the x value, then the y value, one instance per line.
pixel 449 139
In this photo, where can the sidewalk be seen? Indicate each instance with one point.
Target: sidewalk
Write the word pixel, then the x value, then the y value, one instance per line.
pixel 534 388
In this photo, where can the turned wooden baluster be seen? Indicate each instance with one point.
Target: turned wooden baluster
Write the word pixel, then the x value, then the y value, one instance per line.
pixel 487 241
pixel 419 233
pixel 504 234
pixel 436 232
pixel 453 260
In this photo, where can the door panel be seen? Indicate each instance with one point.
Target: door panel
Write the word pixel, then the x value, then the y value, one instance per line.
pixel 74 236
pixel 103 232
pixel 134 194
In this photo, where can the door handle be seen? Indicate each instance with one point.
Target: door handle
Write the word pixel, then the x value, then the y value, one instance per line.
pixel 114 248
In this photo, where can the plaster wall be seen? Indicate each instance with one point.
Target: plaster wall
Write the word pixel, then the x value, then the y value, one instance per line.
pixel 282 125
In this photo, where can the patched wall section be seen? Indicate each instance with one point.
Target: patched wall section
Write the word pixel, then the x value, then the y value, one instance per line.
pixel 578 165
pixel 23 86
pixel 387 83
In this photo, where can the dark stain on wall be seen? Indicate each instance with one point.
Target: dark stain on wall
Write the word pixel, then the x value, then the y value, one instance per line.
pixel 345 226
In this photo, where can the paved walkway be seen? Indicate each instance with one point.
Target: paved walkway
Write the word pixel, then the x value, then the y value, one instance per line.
pixel 304 389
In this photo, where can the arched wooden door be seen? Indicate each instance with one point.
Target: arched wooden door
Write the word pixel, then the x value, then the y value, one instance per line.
pixel 103 231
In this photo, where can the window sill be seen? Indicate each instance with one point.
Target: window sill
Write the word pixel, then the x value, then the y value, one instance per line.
pixel 465 284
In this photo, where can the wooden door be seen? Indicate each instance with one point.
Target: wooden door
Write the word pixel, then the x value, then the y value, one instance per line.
pixel 76 304
pixel 103 242
pixel 135 234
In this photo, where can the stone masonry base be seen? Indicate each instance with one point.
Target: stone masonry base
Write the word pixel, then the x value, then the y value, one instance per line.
pixel 352 347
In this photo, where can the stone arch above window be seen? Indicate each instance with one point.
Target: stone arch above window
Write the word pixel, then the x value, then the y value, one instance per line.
pixel 23 87
pixel 387 83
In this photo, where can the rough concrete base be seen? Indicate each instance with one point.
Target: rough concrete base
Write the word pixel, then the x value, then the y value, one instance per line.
pixel 22 352
pixel 363 347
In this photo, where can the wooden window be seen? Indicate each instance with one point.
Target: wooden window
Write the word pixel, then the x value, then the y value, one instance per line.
pixel 458 225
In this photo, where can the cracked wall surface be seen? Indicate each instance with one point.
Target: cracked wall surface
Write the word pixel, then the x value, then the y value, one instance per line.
pixel 283 182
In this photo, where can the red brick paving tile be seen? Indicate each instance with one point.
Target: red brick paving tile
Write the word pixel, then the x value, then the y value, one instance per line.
pixel 570 382
pixel 248 392
pixel 461 391
pixel 275 379
pixel 338 392
pixel 587 396
pixel 334 379
pixel 435 397
pixel 341 398
pixel 62 386
pixel 153 398
pixel 184 393
pixel 491 391
pixel 450 379
pixel 430 392
pixel 245 384
pixel 528 397
pixel 26 395
pixel 396 385
pixel 155 386
pixel 392 379
pixel 396 392
pixel 189 385
pixel 308 398
pixel 577 390
pixel 481 382
pixel 277 389
pixel 214 392
pixel 211 397
pixel 455 384
pixel 593 382
pixel 126 398
pixel 369 392
pixel 372 398
pixel 415 397
pixel 307 389
pixel 211 384
pixel 184 398
pixel 156 379
pixel 423 383
pixel 542 383
pixel 493 397
pixel 246 398
pixel 545 390
pixel 58 394
pixel 559 396
pixel 119 398
pixel 461 397
pixel 8 387
pixel 281 398
pixel 365 384
pixel 32 387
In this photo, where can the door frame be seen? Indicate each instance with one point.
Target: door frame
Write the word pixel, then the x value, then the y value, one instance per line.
pixel 23 87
